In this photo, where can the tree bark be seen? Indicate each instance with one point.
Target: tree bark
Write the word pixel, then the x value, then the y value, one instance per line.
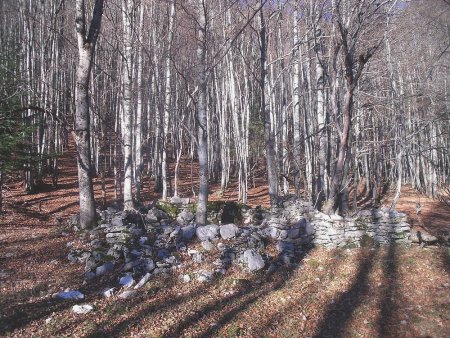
pixel 128 204
pixel 202 136
pixel 86 46
pixel 269 141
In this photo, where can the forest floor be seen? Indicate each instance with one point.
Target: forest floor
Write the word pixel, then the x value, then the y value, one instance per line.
pixel 368 292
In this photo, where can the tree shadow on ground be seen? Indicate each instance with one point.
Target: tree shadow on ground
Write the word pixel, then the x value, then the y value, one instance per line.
pixel 388 305
pixel 340 312
pixel 253 289
pixel 12 318
pixel 445 258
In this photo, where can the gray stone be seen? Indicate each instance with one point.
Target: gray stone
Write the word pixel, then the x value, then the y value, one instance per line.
pixel 143 240
pixel 420 236
pixel 127 281
pixel 160 214
pixel 185 278
pixel 207 245
pixel 130 265
pixel 207 232
pixel 176 234
pixel 69 295
pixel 91 263
pixel 117 228
pixel 73 221
pixel 204 276
pixel 284 246
pixel 82 309
pixel 294 232
pixel 162 253
pixel 117 237
pixel 117 221
pixel 136 253
pixel 143 281
pixel 185 217
pixel 127 294
pixel 228 231
pixel 167 229
pixel 148 265
pixel 103 269
pixel 187 232
pixel 108 292
pixel 197 258
pixel 89 275
pixel 151 218
pixel 274 233
pixel 252 260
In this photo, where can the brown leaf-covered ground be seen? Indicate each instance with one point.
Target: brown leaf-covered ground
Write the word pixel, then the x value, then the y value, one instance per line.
pixel 379 292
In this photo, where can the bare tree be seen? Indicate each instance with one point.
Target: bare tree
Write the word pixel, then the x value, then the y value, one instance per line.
pixel 87 40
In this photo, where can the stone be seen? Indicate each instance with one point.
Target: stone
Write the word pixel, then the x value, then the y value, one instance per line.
pixel 197 258
pixel 130 265
pixel 82 309
pixel 252 260
pixel 151 217
pixel 185 217
pixel 143 280
pixel 70 295
pixel 117 221
pixel 294 232
pixel 176 234
pixel 76 256
pixel 181 246
pixel 108 292
pixel 89 275
pixel 143 240
pixel 204 276
pixel 176 200
pixel 117 237
pixel 207 232
pixel 148 265
pixel 284 246
pixel 73 221
pixel 136 253
pixel 126 280
pixel 185 278
pixel 127 294
pixel 160 214
pixel 418 236
pixel 162 253
pixel 207 245
pixel 117 228
pixel 90 264
pixel 228 231
pixel 103 269
pixel 187 232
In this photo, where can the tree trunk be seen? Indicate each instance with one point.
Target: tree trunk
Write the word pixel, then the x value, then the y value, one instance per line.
pixel 272 176
pixel 127 12
pixel 202 117
pixel 86 46
pixel 167 100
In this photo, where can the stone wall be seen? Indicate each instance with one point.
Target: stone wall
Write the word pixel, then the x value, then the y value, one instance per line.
pixel 368 227
pixel 153 240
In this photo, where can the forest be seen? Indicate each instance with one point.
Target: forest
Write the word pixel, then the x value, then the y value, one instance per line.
pixel 143 137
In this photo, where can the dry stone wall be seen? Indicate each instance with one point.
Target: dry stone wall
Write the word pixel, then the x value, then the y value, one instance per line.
pixel 137 245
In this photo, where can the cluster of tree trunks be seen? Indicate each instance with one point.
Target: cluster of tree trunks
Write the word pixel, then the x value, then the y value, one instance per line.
pixel 330 98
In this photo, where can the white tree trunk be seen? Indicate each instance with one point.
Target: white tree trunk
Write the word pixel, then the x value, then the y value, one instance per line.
pixel 202 117
pixel 127 6
pixel 86 46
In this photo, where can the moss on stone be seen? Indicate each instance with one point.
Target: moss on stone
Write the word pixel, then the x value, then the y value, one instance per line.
pixel 170 209
pixel 366 241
